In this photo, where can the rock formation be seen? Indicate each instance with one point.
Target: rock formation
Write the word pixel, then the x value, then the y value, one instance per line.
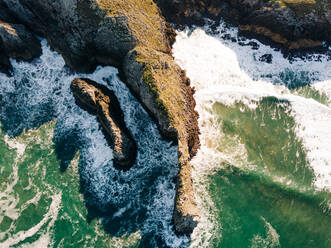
pixel 133 36
pixel 16 41
pixel 102 102
pixel 298 24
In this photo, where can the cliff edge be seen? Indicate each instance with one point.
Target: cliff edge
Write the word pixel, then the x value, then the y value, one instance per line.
pixel 294 24
pixel 134 36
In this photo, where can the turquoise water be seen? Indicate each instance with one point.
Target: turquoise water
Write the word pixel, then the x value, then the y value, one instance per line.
pixel 35 192
pixel 272 202
pixel 262 175
pixel 58 184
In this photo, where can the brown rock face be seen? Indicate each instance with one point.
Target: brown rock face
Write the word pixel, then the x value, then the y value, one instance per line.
pixel 300 24
pixel 15 41
pixel 164 88
pixel 100 101
pixel 135 37
pixel 18 42
pixel 186 212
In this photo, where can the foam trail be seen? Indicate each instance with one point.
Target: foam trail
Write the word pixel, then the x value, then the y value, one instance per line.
pixel 218 77
pixel 40 92
pixel 225 72
pixel 50 215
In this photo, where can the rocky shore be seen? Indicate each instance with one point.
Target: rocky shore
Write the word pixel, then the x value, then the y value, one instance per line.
pixel 292 24
pixel 135 37
pixel 16 41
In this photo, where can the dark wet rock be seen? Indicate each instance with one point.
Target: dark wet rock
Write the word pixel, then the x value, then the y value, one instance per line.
pixel 15 41
pixel 266 58
pixel 134 36
pixel 5 15
pixel 254 45
pixel 19 43
pixel 102 102
pixel 302 24
pixel 5 66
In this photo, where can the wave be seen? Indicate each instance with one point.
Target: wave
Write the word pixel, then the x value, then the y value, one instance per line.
pixel 138 203
pixel 266 116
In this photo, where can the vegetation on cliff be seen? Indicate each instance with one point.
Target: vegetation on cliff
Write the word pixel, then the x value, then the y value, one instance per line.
pixel 134 36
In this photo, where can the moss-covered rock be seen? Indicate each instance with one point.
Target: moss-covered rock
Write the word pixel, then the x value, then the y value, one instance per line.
pixel 134 36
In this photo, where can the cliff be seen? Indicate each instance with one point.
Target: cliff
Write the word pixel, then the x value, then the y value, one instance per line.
pixel 294 24
pixel 134 36
pixel 16 41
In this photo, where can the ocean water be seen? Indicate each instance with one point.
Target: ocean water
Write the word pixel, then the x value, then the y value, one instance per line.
pixel 58 184
pixel 262 175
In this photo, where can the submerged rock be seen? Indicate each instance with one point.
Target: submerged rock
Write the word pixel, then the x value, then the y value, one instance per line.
pixel 102 102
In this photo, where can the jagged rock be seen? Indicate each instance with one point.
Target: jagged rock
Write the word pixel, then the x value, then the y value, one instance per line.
pixel 164 88
pixel 15 41
pixel 134 36
pixel 293 24
pixel 100 101
pixel 5 15
pixel 266 58
pixel 18 43
pixel 88 33
pixel 186 212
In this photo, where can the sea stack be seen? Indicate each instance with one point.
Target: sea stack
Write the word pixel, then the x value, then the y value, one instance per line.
pixel 102 102
pixel 135 37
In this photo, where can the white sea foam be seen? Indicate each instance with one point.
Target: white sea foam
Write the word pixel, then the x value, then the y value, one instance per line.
pixel 223 71
pixel 43 94
pixel 225 74
pixel 51 216
pixel 324 87
pixel 271 240
pixel 19 147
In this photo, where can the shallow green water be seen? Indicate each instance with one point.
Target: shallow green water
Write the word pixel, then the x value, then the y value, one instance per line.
pixel 309 92
pixel 269 200
pixel 40 203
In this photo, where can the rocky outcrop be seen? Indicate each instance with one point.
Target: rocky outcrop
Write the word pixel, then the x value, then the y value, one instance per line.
pixel 16 41
pixel 133 36
pixel 296 24
pixel 164 88
pixel 102 102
